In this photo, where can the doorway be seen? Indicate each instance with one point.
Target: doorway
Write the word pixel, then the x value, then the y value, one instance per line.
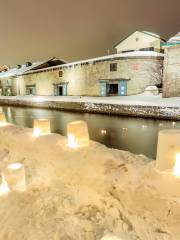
pixel 60 90
pixel 30 90
pixel 112 89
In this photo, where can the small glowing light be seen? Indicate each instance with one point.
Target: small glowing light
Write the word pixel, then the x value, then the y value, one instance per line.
pixel 78 135
pixel 41 127
pixel 14 176
pixel 173 123
pixel 144 126
pixel 4 189
pixel 14 166
pixel 124 129
pixel 176 171
pixel 103 131
pixel 3 121
pixel 72 143
pixel 161 124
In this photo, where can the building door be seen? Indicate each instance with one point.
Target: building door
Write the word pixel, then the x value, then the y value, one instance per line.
pixel 60 90
pixel 122 89
pixel 30 90
pixel 112 89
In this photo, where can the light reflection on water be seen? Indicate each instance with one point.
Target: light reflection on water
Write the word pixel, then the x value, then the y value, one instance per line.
pixel 136 135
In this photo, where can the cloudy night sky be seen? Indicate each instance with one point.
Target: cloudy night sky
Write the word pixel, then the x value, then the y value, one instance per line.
pixel 78 29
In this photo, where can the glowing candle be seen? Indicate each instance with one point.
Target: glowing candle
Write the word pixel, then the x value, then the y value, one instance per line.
pixel 41 127
pixel 14 176
pixel 2 119
pixel 78 135
pixel 168 147
pixel 4 189
pixel 177 166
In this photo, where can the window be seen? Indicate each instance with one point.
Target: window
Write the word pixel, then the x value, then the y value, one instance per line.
pixel 137 39
pixel 113 67
pixel 60 73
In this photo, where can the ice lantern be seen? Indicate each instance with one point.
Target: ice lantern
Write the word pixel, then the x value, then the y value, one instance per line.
pixel 14 176
pixel 41 127
pixel 167 149
pixel 2 119
pixel 78 135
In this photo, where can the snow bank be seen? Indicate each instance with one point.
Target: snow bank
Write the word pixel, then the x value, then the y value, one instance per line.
pixel 144 99
pixel 85 194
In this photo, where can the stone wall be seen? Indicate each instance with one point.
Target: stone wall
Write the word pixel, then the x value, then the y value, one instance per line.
pixel 171 80
pixel 156 112
pixel 83 79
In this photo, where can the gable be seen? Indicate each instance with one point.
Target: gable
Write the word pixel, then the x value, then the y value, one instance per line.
pixel 138 40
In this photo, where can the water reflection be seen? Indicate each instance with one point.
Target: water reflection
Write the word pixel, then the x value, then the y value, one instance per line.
pixel 132 134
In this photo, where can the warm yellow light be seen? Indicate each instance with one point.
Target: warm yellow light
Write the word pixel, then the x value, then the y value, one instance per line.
pixel 14 176
pixel 103 131
pixel 4 189
pixel 14 166
pixel 2 119
pixel 176 171
pixel 78 135
pixel 41 127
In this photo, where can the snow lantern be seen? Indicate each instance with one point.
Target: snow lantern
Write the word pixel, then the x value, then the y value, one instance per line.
pixel 14 176
pixel 78 135
pixel 41 127
pixel 2 119
pixel 167 149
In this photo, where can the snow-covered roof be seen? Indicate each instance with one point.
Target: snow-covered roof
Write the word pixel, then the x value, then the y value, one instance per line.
pixel 23 69
pixel 144 32
pixel 175 39
pixel 104 58
pixel 152 34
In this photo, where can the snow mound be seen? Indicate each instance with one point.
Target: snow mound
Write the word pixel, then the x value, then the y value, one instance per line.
pixel 86 193
pixel 152 89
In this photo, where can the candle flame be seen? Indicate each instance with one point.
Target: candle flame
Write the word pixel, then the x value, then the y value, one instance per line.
pixel 72 143
pixel 177 166
pixel 15 166
pixel 36 132
pixel 4 189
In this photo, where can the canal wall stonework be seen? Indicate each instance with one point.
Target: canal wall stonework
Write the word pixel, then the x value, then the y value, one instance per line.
pixel 171 80
pixel 84 79
pixel 156 112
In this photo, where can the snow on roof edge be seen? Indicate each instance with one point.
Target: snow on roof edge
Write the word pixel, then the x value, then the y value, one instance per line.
pixel 107 57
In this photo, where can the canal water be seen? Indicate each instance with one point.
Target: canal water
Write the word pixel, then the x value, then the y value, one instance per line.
pixel 136 135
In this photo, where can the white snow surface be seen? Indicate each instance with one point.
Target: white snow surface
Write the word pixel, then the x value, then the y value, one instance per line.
pixel 144 99
pixel 85 194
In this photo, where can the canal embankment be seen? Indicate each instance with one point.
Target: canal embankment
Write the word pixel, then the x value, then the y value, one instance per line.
pixel 135 106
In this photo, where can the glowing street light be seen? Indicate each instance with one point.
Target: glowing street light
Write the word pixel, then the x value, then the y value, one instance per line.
pixel 78 135
pixel 41 127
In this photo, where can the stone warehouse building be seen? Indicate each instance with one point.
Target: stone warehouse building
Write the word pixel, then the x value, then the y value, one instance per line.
pixel 171 78
pixel 136 65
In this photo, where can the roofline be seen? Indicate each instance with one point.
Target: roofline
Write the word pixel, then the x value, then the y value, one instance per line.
pixel 98 59
pixel 32 67
pixel 115 45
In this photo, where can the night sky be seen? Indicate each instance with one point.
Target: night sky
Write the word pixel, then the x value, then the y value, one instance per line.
pixel 33 30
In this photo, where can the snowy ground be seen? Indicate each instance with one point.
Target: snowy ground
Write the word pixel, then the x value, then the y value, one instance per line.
pixel 145 99
pixel 85 194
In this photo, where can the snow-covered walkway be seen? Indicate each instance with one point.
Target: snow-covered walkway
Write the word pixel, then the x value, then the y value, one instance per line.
pixel 145 99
